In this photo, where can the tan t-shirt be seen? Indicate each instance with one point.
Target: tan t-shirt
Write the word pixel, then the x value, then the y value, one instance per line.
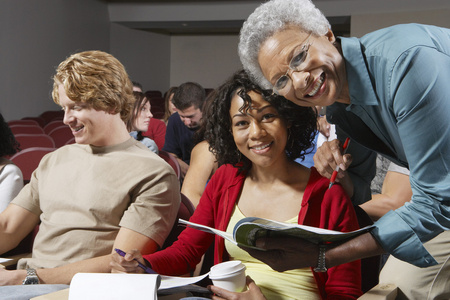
pixel 84 194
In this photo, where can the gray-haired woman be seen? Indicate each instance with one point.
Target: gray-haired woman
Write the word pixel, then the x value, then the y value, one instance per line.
pixel 387 91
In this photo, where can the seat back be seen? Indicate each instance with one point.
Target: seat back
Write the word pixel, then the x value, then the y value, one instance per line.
pixel 27 129
pixel 34 140
pixel 185 212
pixel 172 161
pixel 51 115
pixel 28 160
pixel 61 135
pixel 23 122
pixel 153 93
pixel 158 106
pixel 52 125
pixel 39 120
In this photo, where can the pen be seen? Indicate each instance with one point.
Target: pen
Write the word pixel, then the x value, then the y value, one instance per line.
pixel 142 266
pixel 335 172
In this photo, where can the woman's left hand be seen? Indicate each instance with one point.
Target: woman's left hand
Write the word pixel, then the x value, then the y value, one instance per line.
pixel 252 293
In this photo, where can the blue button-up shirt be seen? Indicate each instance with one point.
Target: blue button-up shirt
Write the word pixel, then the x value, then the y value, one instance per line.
pixel 399 83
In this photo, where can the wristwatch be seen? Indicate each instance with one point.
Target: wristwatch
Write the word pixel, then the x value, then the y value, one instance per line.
pixel 321 262
pixel 31 278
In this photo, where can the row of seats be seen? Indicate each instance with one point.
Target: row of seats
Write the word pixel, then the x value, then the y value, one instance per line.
pixel 38 136
pixel 36 141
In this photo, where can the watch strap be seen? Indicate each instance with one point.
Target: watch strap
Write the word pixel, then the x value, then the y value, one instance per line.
pixel 321 267
pixel 31 278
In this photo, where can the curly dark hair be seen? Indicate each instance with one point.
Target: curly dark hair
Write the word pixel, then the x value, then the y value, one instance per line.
pixel 8 144
pixel 303 121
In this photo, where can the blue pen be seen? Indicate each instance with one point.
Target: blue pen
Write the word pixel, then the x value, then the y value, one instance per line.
pixel 143 267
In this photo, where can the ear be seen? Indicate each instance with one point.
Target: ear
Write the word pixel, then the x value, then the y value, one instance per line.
pixel 330 36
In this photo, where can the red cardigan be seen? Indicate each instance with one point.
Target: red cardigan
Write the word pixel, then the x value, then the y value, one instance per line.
pixel 330 209
pixel 157 132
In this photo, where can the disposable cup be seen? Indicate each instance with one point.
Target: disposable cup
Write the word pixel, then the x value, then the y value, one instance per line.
pixel 229 275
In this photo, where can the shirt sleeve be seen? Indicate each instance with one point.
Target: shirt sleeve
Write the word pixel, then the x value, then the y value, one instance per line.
pixel 154 203
pixel 185 253
pixel 11 182
pixel 419 89
pixel 393 167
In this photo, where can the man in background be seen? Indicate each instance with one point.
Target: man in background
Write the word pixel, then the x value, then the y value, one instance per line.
pixel 188 99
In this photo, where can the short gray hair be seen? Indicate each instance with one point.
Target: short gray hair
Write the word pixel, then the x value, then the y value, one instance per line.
pixel 268 19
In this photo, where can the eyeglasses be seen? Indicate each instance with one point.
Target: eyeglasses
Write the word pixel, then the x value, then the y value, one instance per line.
pixel 300 54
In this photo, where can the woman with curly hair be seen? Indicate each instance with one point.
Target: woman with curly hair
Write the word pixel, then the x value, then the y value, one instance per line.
pixel 11 180
pixel 256 137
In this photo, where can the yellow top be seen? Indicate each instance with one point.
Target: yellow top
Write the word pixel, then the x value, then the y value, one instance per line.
pixel 293 284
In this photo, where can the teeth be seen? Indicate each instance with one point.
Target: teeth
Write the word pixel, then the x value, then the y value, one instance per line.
pixel 78 128
pixel 316 86
pixel 261 147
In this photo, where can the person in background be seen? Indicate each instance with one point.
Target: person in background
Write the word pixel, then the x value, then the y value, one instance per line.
pixel 156 128
pixel 387 91
pixel 188 99
pixel 137 87
pixel 140 119
pixel 11 179
pixel 203 162
pixel 420 283
pixel 390 189
pixel 156 132
pixel 325 132
pixel 170 108
pixel 105 191
pixel 256 137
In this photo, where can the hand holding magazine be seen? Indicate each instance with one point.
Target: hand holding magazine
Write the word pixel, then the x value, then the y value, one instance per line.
pixel 249 229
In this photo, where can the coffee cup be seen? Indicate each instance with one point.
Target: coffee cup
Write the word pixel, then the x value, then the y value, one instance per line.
pixel 229 275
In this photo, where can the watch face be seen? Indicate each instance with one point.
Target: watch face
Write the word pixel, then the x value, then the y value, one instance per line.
pixel 31 280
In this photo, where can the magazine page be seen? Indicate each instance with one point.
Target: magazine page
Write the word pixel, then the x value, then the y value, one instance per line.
pixel 249 229
pixel 205 228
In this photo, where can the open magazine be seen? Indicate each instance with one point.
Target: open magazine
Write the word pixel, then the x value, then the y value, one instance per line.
pixel 249 229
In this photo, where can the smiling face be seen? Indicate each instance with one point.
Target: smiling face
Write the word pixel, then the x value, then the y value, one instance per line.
pixel 89 126
pixel 143 117
pixel 321 80
pixel 260 134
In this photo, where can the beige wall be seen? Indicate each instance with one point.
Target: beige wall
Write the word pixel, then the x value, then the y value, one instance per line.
pixel 35 36
pixel 145 55
pixel 208 60
pixel 365 23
